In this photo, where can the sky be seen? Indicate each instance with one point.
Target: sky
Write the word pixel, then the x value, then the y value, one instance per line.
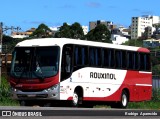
pixel 30 13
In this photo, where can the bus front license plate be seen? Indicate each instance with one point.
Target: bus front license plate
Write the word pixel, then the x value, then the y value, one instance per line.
pixel 31 95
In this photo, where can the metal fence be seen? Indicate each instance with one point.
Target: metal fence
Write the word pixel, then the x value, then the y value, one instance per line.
pixel 155 81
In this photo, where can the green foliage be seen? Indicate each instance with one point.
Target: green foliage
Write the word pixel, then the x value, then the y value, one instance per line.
pixel 4 88
pixel 134 42
pixel 155 61
pixel 10 43
pixel 5 93
pixel 156 69
pixel 144 105
pixel 156 95
pixel 74 31
pixel 64 31
pixel 41 32
pixel 100 34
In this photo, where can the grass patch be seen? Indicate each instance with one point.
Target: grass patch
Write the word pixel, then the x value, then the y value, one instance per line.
pixel 144 105
pixel 5 93
pixel 7 101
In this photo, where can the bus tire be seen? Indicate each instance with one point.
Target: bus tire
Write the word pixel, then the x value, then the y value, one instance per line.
pixel 124 100
pixel 77 99
pixel 24 103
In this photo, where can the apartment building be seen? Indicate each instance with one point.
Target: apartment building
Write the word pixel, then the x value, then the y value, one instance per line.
pixel 109 24
pixel 138 24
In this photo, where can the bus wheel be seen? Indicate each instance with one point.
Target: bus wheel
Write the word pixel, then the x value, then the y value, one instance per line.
pixel 24 103
pixel 124 100
pixel 76 101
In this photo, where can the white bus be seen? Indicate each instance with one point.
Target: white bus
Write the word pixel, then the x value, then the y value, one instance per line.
pixel 79 71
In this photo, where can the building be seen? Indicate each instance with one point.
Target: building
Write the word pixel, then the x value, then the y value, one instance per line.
pixel 148 32
pixel 151 43
pixel 118 39
pixel 54 29
pixel 109 24
pixel 138 24
pixel 125 31
pixel 117 36
pixel 22 34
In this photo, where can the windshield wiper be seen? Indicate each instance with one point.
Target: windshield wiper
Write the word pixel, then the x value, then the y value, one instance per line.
pixel 39 74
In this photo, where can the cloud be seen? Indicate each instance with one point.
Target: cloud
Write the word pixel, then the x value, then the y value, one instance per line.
pixel 136 10
pixel 67 6
pixel 147 12
pixel 93 4
pixel 143 12
pixel 40 22
pixel 112 7
pixel 36 22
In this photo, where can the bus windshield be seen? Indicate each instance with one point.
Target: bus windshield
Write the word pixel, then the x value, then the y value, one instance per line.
pixel 35 62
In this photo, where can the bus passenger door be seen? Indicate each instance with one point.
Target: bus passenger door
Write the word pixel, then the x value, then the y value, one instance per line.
pixel 66 64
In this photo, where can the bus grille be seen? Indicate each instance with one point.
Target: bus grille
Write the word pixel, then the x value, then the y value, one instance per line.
pixel 32 96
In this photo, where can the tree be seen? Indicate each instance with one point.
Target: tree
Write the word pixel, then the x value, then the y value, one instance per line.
pixel 9 43
pixel 134 42
pixel 64 31
pixel 77 31
pixel 42 32
pixel 74 31
pixel 90 35
pixel 100 34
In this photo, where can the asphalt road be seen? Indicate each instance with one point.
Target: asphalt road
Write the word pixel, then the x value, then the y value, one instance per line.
pixel 75 113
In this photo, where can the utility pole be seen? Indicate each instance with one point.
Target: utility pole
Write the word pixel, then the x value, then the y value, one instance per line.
pixel 1 35
pixel 2 29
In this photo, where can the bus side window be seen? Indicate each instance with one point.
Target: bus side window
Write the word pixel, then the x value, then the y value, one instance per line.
pixel 130 60
pixel 111 57
pixel 108 57
pixel 135 61
pixel 144 62
pixel 91 56
pixel 80 56
pixel 95 56
pixel 148 62
pixel 118 58
pixel 124 60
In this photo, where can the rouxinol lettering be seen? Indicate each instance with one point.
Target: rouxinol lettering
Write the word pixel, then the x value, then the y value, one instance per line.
pixel 102 75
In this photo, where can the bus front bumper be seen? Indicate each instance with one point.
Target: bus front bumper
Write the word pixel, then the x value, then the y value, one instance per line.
pixel 46 94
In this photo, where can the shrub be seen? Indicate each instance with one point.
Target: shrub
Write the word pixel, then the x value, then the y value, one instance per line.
pixel 156 94
pixel 4 88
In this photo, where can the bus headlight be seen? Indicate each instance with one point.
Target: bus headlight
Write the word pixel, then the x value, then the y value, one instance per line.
pixel 14 89
pixel 52 88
